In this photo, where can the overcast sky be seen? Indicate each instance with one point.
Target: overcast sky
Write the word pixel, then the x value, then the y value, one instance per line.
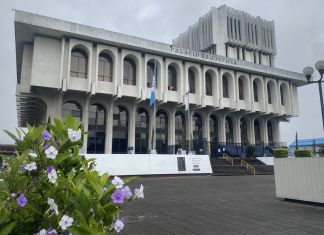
pixel 298 24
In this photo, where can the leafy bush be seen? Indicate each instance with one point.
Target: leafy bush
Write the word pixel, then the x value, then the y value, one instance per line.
pixel 303 153
pixel 249 151
pixel 280 153
pixel 47 188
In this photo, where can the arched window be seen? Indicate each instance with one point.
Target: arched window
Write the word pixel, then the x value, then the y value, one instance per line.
pixel 180 131
pixel 270 133
pixel 161 132
pixel 150 73
pixel 172 78
pixel 241 88
pixel 191 81
pixel 120 130
pixel 209 85
pixel 197 133
pixel 141 131
pixel 79 63
pixel 96 129
pixel 73 108
pixel 257 132
pixel 213 129
pixel 105 68
pixel 225 87
pixel 269 93
pixel 229 130
pixel 282 94
pixel 129 72
pixel 244 133
pixel 255 91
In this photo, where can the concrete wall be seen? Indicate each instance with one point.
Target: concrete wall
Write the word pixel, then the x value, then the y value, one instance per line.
pixel 300 178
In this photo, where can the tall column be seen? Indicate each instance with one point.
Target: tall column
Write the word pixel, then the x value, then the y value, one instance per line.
pixel 131 128
pixel 85 120
pixel 206 131
pixel 109 127
pixel 222 136
pixel 151 114
pixel 171 129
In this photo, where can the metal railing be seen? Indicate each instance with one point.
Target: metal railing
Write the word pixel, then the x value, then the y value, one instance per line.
pixel 228 159
pixel 248 167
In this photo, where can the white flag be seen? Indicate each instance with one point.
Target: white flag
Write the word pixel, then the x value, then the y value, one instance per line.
pixel 186 95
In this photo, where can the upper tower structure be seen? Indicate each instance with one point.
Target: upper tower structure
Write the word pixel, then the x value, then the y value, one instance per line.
pixel 232 33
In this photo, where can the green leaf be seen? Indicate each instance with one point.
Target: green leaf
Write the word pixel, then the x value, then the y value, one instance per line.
pixel 7 229
pixel 12 136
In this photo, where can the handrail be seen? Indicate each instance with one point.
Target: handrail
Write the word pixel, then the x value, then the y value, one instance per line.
pixel 228 159
pixel 248 167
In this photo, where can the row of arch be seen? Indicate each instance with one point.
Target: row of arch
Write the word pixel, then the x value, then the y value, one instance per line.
pixel 97 129
pixel 79 68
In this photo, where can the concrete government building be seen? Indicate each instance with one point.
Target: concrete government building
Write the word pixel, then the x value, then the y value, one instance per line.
pixel 104 78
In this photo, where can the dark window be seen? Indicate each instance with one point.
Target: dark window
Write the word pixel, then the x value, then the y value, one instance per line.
pixel 235 28
pixel 141 131
pixel 256 35
pixel 255 92
pixel 209 85
pixel 241 89
pixel 231 20
pixel 213 129
pixel 105 69
pixel 120 130
pixel 191 81
pixel 96 129
pixel 172 78
pixel 229 130
pixel 282 95
pixel 161 132
pixel 79 63
pixel 244 133
pixel 239 29
pixel 269 93
pixel 129 72
pixel 225 87
pixel 73 108
pixel 270 133
pixel 180 131
pixel 257 132
pixel 150 73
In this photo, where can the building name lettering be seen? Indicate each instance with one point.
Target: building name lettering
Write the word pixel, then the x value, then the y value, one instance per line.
pixel 202 55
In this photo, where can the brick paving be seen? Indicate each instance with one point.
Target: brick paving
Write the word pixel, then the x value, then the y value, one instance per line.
pixel 219 205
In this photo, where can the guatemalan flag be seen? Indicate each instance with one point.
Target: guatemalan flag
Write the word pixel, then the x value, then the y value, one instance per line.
pixel 152 99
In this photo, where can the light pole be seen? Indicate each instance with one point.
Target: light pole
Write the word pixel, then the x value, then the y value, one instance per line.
pixel 308 72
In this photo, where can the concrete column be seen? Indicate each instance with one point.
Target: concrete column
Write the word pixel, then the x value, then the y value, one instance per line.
pixel 151 115
pixel 252 131
pixel 109 127
pixel 85 120
pixel 131 128
pixel 222 131
pixel 171 127
pixel 264 132
pixel 206 131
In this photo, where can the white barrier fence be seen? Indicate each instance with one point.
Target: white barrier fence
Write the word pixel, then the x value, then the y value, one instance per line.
pixel 151 164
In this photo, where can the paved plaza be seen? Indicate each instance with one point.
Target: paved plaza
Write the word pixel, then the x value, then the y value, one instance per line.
pixel 218 205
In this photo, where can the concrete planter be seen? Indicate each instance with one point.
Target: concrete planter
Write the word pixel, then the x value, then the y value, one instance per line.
pixel 300 178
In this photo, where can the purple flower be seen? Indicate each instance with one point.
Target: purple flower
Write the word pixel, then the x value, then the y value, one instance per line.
pixel 22 167
pixel 118 196
pixel 127 192
pixel 119 225
pixel 49 169
pixel 22 200
pixel 46 135
pixel 46 146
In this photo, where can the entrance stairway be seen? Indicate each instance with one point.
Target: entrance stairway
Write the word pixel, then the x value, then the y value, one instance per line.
pixel 221 167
